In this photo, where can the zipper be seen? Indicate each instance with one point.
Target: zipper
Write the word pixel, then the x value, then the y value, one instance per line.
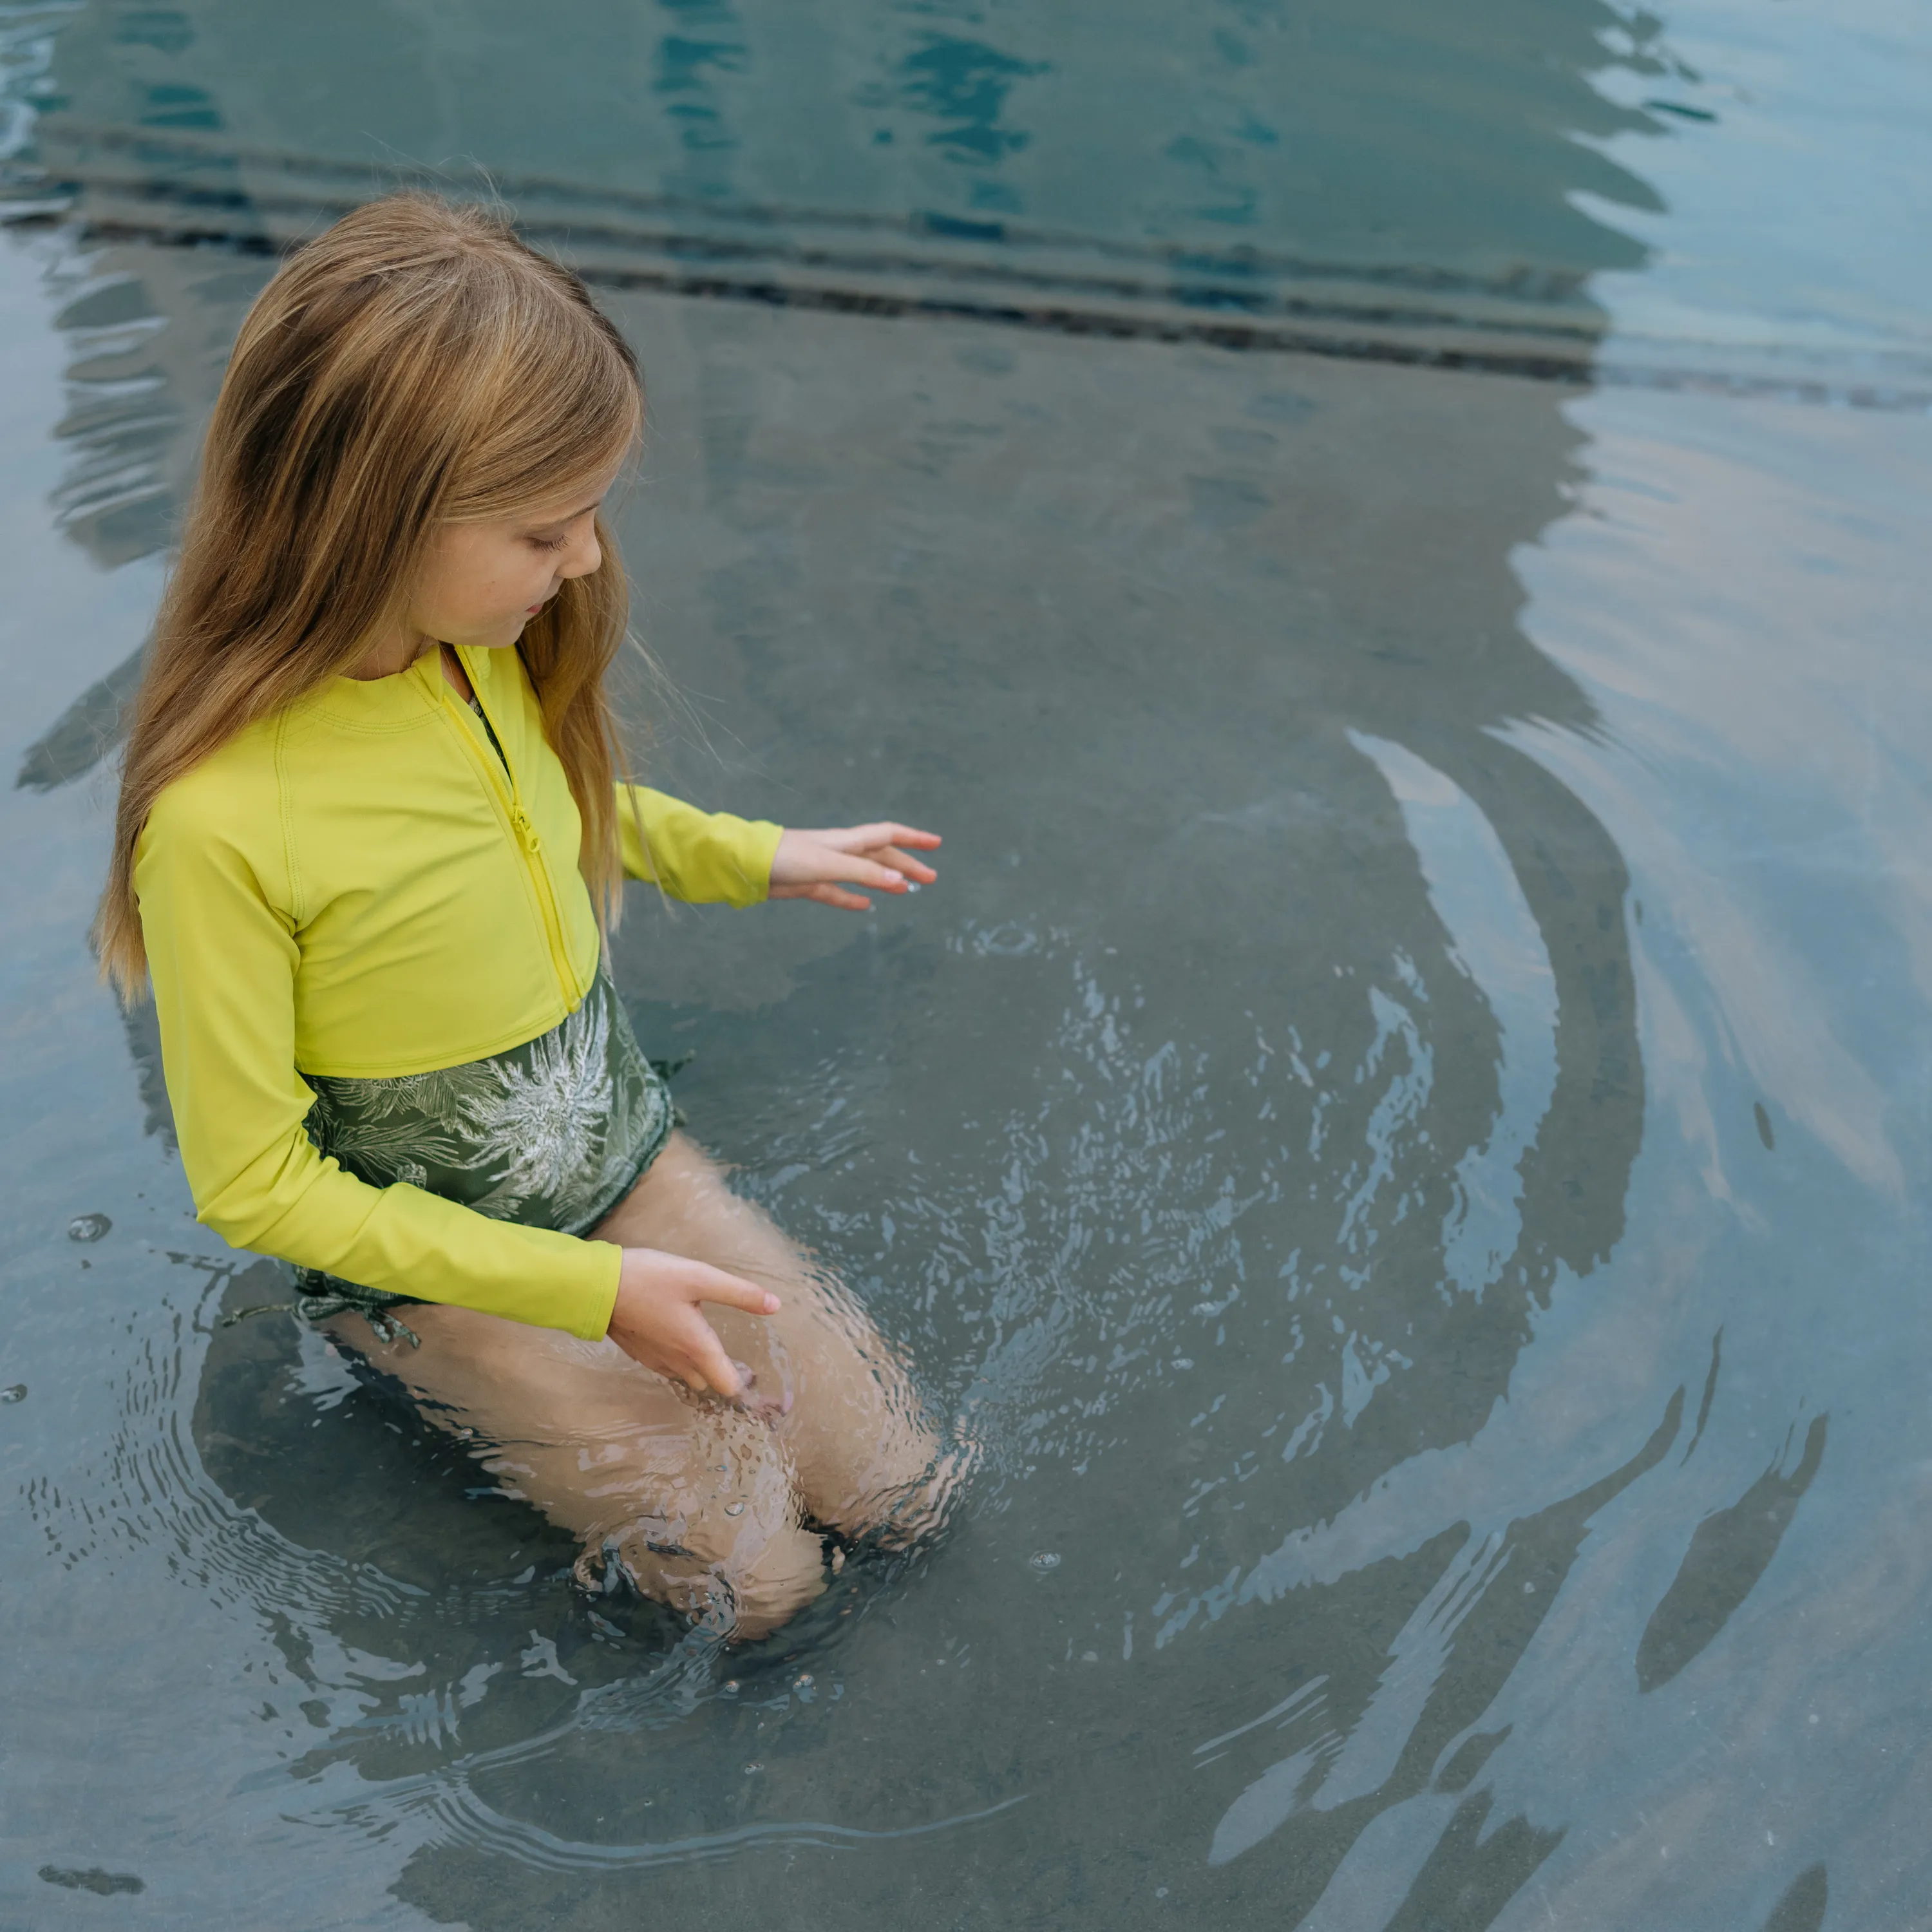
pixel 503 778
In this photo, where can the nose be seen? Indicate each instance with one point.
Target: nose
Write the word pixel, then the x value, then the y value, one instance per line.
pixel 585 553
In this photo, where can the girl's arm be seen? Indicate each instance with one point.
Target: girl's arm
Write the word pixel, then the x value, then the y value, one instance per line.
pixel 223 960
pixel 702 856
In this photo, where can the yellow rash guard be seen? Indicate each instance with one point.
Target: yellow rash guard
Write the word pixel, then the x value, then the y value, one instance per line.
pixel 357 886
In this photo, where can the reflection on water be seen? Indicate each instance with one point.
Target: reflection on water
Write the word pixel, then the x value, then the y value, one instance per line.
pixel 1397 1132
pixel 1294 133
pixel 884 156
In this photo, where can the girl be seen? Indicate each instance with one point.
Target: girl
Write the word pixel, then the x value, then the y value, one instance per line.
pixel 369 846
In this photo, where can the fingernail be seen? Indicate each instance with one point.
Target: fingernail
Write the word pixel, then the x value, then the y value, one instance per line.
pixel 772 1304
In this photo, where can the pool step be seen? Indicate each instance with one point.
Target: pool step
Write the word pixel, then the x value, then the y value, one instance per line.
pixel 183 188
pixel 174 186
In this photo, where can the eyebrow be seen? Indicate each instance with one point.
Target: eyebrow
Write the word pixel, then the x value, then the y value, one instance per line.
pixel 568 516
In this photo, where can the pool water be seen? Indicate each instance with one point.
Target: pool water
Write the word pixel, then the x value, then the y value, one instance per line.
pixel 1390 546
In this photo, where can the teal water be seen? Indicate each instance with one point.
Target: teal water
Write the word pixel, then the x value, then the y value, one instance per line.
pixel 1389 545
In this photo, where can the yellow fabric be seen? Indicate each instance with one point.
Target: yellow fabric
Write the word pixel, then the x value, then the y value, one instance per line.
pixel 357 887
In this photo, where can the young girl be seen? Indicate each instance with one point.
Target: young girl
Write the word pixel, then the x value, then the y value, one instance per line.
pixel 369 844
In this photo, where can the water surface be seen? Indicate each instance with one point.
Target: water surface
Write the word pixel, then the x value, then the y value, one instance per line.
pixel 1401 1131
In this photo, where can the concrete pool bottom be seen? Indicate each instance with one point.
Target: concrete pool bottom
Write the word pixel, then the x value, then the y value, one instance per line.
pixel 1135 627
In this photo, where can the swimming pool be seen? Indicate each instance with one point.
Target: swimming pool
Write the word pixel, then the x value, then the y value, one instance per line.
pixel 1389 547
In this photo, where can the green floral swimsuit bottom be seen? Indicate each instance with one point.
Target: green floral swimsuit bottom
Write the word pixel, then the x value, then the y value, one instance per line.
pixel 553 1134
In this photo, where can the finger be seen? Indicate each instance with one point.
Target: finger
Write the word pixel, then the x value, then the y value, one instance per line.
pixel 869 838
pixel 857 838
pixel 714 1367
pixel 729 1290
pixel 887 832
pixel 863 856
pixel 903 861
pixel 836 895
pixel 753 1399
pixel 858 870
pixel 833 867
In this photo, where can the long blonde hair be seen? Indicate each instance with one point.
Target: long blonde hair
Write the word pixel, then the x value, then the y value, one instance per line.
pixel 416 364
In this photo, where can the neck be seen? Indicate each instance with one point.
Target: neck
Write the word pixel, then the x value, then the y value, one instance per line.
pixel 395 653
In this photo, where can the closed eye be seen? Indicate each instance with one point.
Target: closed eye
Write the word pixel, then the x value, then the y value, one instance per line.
pixel 550 543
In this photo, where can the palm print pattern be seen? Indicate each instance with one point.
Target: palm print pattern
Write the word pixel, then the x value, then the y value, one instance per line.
pixel 551 1133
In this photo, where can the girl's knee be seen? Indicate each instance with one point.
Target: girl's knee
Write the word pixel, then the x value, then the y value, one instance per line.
pixel 747 1591
pixel 778 1581
pixel 904 1495
pixel 731 1550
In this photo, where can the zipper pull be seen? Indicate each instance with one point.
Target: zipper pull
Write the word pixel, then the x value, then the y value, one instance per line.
pixel 526 831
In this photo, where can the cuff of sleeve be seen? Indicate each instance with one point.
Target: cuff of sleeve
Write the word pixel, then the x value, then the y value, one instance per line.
pixel 761 848
pixel 591 1305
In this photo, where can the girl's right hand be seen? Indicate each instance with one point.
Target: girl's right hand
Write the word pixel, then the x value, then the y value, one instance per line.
pixel 656 1320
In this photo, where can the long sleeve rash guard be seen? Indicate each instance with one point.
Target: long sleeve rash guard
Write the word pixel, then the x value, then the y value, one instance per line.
pixel 360 885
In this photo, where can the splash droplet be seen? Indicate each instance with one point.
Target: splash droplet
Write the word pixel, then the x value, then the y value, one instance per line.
pixel 88 1227
pixel 752 1767
pixel 1044 1560
pixel 17 1392
pixel 734 1509
pixel 802 1681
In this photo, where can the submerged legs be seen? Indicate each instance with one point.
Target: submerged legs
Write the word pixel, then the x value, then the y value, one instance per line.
pixel 713 1508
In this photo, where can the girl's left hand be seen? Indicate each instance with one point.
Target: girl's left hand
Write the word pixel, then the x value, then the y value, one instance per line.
pixel 821 865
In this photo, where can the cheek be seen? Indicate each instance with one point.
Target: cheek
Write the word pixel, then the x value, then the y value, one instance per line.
pixel 479 587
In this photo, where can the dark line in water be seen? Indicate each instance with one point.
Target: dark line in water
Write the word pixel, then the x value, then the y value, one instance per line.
pixel 1577 370
pixel 1236 290
pixel 1551 287
pixel 1240 279
pixel 1061 319
pixel 1710 1391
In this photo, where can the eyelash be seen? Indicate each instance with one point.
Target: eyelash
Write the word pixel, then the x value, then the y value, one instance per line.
pixel 550 543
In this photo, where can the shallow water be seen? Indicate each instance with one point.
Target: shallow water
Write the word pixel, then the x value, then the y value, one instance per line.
pixel 1401 1130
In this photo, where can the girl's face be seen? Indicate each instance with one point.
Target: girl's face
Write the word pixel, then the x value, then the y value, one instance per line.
pixel 483 582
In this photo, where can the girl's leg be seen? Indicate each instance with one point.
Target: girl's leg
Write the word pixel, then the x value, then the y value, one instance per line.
pixel 863 1456
pixel 699 1497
